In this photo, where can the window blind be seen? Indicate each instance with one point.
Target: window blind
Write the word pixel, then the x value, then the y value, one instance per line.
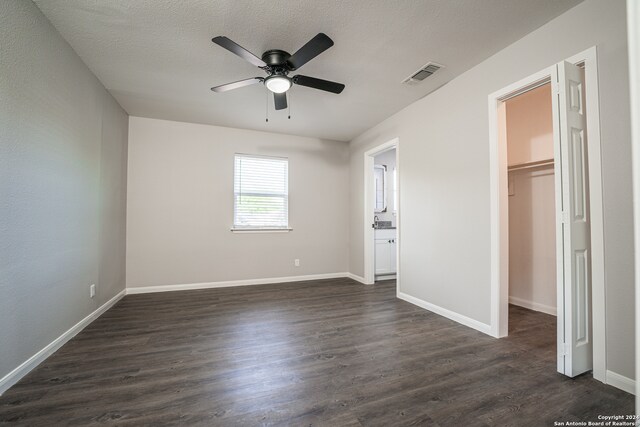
pixel 261 192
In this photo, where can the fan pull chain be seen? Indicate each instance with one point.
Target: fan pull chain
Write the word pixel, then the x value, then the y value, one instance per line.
pixel 267 108
pixel 289 103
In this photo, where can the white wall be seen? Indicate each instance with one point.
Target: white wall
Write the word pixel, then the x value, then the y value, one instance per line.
pixel 532 244
pixel 530 126
pixel 388 158
pixel 444 174
pixel 180 206
pixel 63 148
pixel 633 19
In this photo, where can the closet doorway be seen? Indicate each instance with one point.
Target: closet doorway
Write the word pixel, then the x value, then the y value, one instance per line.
pixel 577 212
pixel 527 123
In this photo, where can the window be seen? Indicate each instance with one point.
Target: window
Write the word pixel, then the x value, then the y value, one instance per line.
pixel 261 192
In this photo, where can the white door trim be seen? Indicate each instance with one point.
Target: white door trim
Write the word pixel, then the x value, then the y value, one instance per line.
pixel 500 202
pixel 499 206
pixel 369 243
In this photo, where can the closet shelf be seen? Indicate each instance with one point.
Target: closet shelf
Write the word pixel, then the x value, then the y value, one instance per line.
pixel 530 165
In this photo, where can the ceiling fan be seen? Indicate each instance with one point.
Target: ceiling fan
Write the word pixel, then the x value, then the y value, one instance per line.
pixel 278 64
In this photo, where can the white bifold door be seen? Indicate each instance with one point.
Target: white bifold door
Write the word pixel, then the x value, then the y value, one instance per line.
pixel 575 347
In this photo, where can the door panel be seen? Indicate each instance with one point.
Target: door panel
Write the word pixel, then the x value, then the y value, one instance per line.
pixel 383 256
pixel 575 348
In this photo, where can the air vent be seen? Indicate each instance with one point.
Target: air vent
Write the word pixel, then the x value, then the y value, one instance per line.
pixel 427 70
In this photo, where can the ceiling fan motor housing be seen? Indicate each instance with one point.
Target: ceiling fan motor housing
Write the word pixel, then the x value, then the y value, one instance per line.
pixel 276 58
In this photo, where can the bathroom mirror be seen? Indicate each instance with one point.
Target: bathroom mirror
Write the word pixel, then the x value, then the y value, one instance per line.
pixel 380 184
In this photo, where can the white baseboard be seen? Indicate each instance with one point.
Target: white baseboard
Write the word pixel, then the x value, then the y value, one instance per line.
pixel 386 277
pixel 621 382
pixel 533 305
pixel 464 320
pixel 27 366
pixel 230 283
pixel 357 278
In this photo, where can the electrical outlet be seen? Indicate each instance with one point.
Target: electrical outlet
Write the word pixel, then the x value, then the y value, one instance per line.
pixel 92 290
pixel 296 262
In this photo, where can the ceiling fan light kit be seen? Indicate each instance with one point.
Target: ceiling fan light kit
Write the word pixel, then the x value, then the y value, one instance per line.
pixel 277 84
pixel 278 64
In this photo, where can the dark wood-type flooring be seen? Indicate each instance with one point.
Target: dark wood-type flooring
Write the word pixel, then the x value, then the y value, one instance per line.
pixel 331 353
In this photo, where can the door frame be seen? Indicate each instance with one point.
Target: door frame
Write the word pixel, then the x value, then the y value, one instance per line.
pixel 500 205
pixel 369 194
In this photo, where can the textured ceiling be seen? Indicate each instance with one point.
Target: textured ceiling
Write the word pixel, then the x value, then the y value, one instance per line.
pixel 157 59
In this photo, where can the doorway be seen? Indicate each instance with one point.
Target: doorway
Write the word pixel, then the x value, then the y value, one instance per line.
pixel 578 212
pixel 526 124
pixel 385 215
pixel 382 213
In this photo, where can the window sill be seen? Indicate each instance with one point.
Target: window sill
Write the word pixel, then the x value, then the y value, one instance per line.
pixel 260 230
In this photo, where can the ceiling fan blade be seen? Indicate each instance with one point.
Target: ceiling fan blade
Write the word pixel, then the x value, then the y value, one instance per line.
pixel 313 48
pixel 236 85
pixel 325 85
pixel 234 47
pixel 280 100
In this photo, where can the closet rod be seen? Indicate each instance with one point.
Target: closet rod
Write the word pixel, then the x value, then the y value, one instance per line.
pixel 531 165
